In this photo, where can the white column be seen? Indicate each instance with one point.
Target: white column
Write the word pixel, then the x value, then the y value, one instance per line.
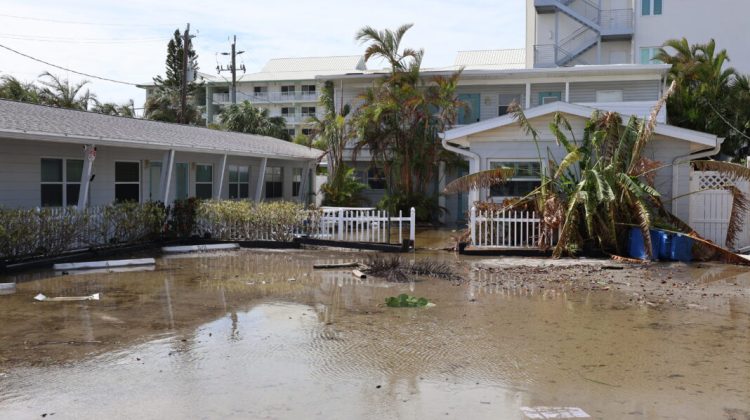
pixel 528 95
pixel 165 182
pixel 89 153
pixel 567 92
pixel 222 174
pixel 261 179
pixel 473 193
pixel 441 187
pixel 303 185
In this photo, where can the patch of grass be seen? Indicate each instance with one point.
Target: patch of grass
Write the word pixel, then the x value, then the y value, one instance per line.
pixel 406 301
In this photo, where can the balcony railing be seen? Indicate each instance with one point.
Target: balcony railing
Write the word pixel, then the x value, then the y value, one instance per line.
pixel 267 97
pixel 617 21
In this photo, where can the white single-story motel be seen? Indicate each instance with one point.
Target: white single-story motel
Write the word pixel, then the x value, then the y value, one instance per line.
pixel 60 157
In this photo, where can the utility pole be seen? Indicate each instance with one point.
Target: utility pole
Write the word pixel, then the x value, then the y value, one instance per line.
pixel 232 68
pixel 183 80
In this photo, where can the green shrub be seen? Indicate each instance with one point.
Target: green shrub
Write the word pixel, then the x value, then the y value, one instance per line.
pixel 246 220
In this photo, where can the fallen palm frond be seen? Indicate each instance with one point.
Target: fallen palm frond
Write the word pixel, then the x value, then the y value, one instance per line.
pixel 731 170
pixel 394 269
pixel 740 206
pixel 482 179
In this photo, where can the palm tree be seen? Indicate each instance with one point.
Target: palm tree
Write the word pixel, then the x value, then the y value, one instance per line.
pixel 61 93
pixel 13 89
pixel 247 118
pixel 164 105
pixel 386 44
pixel 111 108
pixel 709 94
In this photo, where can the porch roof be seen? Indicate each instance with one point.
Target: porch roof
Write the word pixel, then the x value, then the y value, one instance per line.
pixel 459 134
pixel 45 123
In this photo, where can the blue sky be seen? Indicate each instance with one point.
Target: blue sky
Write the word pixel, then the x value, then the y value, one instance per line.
pixel 127 40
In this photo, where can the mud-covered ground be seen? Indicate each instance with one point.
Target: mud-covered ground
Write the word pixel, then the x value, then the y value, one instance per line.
pixel 262 334
pixel 701 286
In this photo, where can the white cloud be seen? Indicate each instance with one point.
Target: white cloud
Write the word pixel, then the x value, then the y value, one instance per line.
pixel 265 29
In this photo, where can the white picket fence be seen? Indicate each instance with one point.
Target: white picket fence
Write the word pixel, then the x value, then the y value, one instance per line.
pixel 363 225
pixel 505 230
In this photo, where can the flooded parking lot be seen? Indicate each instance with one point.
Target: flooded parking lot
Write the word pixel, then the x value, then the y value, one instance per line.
pixel 261 334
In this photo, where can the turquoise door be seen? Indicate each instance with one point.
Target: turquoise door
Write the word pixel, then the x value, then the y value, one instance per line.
pixel 470 114
pixel 182 181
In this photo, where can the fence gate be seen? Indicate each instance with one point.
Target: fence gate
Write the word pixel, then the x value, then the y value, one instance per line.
pixel 711 206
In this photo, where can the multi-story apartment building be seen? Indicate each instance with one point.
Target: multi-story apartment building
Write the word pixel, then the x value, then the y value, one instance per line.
pixel 573 32
pixel 287 87
pixel 490 82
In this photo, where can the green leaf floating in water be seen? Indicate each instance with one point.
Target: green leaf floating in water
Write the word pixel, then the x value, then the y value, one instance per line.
pixel 406 301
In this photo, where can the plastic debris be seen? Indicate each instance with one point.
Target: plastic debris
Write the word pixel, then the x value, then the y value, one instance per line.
pixel 554 413
pixel 42 298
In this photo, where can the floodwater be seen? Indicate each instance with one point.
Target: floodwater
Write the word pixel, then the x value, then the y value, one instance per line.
pixel 260 334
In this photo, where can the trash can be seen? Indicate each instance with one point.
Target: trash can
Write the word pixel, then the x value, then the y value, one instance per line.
pixel 637 248
pixel 681 248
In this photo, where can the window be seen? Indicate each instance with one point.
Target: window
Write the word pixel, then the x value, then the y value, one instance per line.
pixel 127 181
pixel 648 54
pixel 204 181
pixel 469 112
pixel 239 182
pixel 549 97
pixel 61 182
pixel 608 96
pixel 308 111
pixel 307 131
pixel 308 89
pixel 274 182
pixel 287 90
pixel 260 91
pixel 296 181
pixel 504 103
pixel 646 8
pixel 526 177
pixel 287 111
pixel 291 132
pixel 376 178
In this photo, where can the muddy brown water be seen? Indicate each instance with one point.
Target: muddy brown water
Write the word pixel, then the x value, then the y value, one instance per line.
pixel 256 334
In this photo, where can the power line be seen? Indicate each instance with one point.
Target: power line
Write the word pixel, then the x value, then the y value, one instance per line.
pixel 39 38
pixel 71 22
pixel 67 69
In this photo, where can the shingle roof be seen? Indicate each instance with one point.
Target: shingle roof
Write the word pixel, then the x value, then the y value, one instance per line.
pixel 492 59
pixel 24 119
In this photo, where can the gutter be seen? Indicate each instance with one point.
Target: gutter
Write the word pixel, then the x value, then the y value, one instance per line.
pixel 689 157
pixel 473 157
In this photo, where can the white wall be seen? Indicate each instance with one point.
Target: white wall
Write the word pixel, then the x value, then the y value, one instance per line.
pixel 724 20
pixel 20 170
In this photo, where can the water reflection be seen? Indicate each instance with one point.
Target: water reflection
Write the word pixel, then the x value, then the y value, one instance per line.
pixel 262 334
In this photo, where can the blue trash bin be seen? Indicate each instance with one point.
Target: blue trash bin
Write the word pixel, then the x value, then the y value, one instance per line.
pixel 681 248
pixel 637 248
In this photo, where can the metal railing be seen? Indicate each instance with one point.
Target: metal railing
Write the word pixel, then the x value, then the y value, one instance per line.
pixel 586 9
pixel 617 20
pixel 551 55
pixel 266 97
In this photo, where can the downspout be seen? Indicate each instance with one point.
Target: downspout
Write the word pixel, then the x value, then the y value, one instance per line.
pixel 686 159
pixel 474 165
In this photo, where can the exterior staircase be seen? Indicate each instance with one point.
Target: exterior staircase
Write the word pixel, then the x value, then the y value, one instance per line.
pixel 595 25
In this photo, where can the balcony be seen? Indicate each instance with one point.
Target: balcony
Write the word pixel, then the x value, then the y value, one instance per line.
pixel 299 118
pixel 617 24
pixel 267 97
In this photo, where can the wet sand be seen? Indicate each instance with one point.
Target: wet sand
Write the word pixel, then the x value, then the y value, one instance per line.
pixel 256 334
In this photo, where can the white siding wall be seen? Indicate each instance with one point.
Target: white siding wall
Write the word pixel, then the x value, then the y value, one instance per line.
pixel 637 90
pixel 20 170
pixel 510 143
